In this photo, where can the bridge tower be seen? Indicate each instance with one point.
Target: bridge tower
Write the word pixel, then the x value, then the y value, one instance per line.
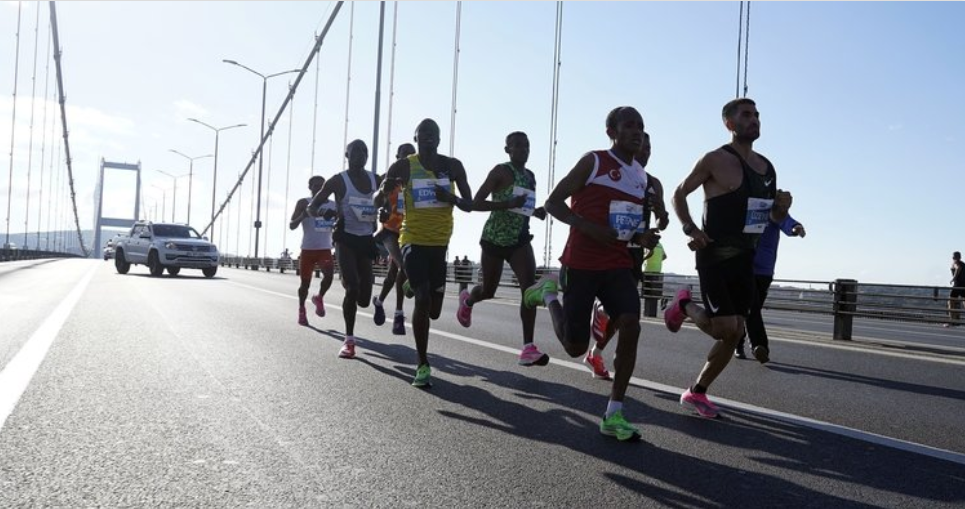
pixel 112 222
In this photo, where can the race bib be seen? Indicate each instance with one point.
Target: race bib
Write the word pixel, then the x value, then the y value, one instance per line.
pixel 625 218
pixel 758 215
pixel 363 208
pixel 530 206
pixel 424 193
pixel 320 224
pixel 323 225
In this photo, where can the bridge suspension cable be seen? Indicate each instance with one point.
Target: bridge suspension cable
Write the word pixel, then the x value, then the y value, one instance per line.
pixel 554 109
pixel 455 80
pixel 63 118
pixel 348 76
pixel 395 28
pixel 30 145
pixel 743 31
pixel 13 126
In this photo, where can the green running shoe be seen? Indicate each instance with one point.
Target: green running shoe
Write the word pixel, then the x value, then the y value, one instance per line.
pixel 407 290
pixel 617 426
pixel 534 295
pixel 422 376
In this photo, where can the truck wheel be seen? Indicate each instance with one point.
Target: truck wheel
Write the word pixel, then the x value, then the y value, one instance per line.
pixel 120 263
pixel 154 264
pixel 174 270
pixel 209 272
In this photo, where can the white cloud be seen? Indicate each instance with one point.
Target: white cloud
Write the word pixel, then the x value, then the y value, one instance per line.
pixel 187 109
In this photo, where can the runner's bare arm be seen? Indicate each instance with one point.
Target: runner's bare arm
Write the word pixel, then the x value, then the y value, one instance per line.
pixel 571 183
pixel 499 178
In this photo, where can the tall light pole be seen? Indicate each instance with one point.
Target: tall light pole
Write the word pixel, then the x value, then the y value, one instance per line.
pixel 164 201
pixel 214 178
pixel 190 175
pixel 264 90
pixel 174 201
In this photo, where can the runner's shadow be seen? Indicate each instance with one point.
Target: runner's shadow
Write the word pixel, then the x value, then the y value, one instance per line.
pixel 926 390
pixel 702 482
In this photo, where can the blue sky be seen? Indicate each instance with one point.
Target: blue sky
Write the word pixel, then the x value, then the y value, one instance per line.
pixel 861 107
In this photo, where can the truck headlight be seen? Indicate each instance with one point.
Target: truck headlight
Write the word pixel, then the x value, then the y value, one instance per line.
pixel 170 245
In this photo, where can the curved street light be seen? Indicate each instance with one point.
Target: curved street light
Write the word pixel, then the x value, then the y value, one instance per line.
pixel 264 90
pixel 214 178
pixel 174 200
pixel 190 175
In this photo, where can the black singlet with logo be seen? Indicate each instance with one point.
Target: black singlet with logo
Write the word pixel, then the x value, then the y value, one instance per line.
pixel 725 216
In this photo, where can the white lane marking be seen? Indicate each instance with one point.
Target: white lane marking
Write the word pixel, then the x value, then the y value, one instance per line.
pixel 845 431
pixel 16 375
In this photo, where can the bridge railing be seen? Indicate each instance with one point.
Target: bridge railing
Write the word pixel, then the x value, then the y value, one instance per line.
pixel 12 255
pixel 844 299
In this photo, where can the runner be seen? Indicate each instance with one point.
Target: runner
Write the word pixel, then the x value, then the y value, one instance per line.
pixel 426 179
pixel 740 197
pixel 388 237
pixel 316 249
pixel 601 327
pixel 607 189
pixel 506 238
pixel 355 248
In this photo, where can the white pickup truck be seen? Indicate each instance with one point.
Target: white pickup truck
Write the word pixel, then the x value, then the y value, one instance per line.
pixel 163 246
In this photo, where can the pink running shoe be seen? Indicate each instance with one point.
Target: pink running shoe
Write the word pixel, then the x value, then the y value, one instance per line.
pixel 302 317
pixel 531 356
pixel 674 316
pixel 319 305
pixel 600 322
pixel 699 403
pixel 597 366
pixel 464 313
pixel 348 350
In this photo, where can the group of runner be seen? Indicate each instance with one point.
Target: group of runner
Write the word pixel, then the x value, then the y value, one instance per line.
pixel 607 199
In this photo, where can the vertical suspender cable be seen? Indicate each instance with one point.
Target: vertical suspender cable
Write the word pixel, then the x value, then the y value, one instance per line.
pixel 747 44
pixel 378 93
pixel 43 142
pixel 740 33
pixel 554 109
pixel 395 27
pixel 315 111
pixel 348 75
pixel 30 145
pixel 13 126
pixel 288 169
pixel 455 80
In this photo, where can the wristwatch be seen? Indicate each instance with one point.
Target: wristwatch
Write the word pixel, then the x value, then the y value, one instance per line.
pixel 689 228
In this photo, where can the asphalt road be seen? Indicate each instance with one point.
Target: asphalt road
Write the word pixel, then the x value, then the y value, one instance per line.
pixel 121 391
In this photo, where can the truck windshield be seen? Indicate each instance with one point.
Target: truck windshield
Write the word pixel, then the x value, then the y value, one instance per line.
pixel 175 231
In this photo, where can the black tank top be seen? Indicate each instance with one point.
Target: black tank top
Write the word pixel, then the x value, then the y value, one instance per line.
pixel 736 220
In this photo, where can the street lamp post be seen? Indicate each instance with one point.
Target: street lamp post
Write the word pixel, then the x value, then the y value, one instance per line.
pixel 190 175
pixel 214 178
pixel 174 200
pixel 264 90
pixel 164 202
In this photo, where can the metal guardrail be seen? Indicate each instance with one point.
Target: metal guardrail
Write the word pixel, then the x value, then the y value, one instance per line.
pixel 844 299
pixel 12 255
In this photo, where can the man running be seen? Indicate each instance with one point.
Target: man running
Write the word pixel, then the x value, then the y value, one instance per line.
pixel 740 197
pixel 506 238
pixel 601 327
pixel 316 249
pixel 354 189
pixel 388 237
pixel 765 258
pixel 957 294
pixel 426 179
pixel 607 189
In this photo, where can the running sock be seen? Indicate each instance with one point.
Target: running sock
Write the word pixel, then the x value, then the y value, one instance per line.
pixel 350 339
pixel 378 301
pixel 698 389
pixel 549 298
pixel 613 407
